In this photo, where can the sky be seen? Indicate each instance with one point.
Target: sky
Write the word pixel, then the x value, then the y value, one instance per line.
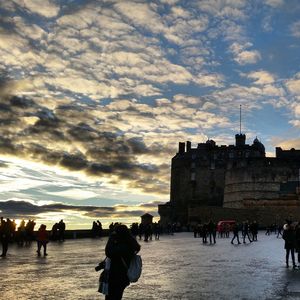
pixel 96 95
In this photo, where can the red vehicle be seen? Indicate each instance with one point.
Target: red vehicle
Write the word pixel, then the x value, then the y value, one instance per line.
pixel 224 223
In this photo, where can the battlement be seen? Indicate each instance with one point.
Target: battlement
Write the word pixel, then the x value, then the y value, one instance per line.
pixel 287 154
pixel 211 149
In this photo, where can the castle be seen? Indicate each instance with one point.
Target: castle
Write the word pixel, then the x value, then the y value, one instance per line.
pixel 233 182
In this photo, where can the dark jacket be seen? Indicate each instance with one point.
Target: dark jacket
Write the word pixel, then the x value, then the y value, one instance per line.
pixel 289 237
pixel 120 251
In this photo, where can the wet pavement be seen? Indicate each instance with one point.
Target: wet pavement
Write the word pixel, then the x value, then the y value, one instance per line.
pixel 176 267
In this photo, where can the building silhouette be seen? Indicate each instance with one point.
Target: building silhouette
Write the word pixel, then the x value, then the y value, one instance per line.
pixel 232 181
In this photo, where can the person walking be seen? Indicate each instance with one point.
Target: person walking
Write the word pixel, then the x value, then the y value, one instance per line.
pixel 42 240
pixel 4 236
pixel 120 249
pixel 235 230
pixel 289 237
pixel 246 232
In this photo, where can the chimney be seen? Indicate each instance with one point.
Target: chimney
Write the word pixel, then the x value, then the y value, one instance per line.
pixel 188 146
pixel 181 148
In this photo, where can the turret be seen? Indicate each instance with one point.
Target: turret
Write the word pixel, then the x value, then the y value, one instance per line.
pixel 181 147
pixel 240 140
pixel 188 146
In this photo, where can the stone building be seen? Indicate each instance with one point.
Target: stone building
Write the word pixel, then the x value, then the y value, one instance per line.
pixel 236 181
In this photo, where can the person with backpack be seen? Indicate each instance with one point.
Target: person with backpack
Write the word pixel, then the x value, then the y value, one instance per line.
pixel 121 248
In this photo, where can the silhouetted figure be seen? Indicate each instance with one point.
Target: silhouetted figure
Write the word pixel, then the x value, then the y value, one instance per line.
pixel 4 236
pixel 268 230
pixel 61 230
pixel 297 232
pixel 212 231
pixel 254 230
pixel 246 232
pixel 156 230
pixel 235 230
pixel 120 248
pixel 279 230
pixel 12 230
pixel 141 230
pixel 99 228
pixel 147 232
pixel 111 227
pixel 227 230
pixel 21 233
pixel 134 229
pixel 42 240
pixel 204 233
pixel 289 237
pixel 54 232
pixel 94 229
pixel 29 229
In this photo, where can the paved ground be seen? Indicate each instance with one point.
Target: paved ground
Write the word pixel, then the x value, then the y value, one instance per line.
pixel 176 267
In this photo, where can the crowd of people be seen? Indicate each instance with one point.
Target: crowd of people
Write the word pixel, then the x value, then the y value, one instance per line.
pixel 142 231
pixel 97 229
pixel 209 231
pixel 24 234
pixel 122 242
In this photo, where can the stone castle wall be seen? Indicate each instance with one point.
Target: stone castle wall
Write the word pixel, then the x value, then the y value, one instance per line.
pixel 271 179
pixel 264 216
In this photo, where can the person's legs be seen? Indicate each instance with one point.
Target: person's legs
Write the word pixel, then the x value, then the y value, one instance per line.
pixel 293 257
pixel 39 245
pixel 287 257
pixel 4 242
pixel 115 292
pixel 45 248
pixel 232 239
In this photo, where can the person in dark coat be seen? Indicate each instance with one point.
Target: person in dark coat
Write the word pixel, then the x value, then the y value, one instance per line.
pixel 4 236
pixel 235 230
pixel 245 231
pixel 212 231
pixel 289 237
pixel 120 248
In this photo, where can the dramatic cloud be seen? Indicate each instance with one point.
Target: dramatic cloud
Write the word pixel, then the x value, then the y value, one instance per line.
pixel 26 210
